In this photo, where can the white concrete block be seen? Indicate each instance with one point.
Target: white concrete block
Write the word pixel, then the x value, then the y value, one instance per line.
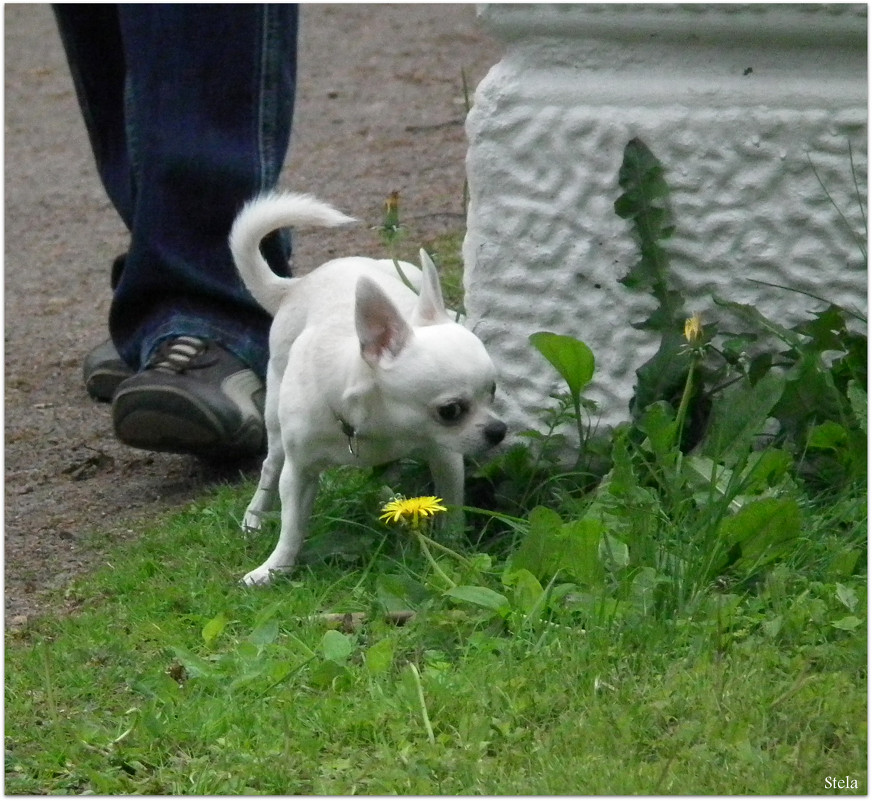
pixel 737 102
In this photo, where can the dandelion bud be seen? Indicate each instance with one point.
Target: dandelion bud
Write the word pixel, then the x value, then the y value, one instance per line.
pixel 392 211
pixel 693 329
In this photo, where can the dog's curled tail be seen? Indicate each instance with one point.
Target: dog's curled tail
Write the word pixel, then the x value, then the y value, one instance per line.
pixel 263 215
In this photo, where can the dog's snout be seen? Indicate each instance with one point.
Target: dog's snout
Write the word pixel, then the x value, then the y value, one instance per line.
pixel 494 432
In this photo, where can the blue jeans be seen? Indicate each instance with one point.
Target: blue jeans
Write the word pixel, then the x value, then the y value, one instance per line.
pixel 188 109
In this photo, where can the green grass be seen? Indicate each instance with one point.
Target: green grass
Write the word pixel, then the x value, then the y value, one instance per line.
pixel 171 678
pixel 680 611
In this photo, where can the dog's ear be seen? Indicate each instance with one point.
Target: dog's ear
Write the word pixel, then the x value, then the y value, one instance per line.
pixel 381 329
pixel 431 308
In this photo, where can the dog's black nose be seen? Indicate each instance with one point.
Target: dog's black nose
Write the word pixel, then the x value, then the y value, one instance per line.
pixel 494 432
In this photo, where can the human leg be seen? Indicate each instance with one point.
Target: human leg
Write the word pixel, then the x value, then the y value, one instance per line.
pixel 210 94
pixel 188 109
pixel 91 36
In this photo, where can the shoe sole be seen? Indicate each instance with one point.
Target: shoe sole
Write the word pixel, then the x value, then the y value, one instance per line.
pixel 168 420
pixel 102 383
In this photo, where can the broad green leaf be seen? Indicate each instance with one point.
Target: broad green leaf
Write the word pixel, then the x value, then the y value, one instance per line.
pixel 398 592
pixel 847 596
pixel 706 475
pixel 643 589
pixel 247 651
pixel 570 357
pixel 255 672
pixel 552 546
pixel 265 634
pixel 753 315
pixel 810 396
pixel 193 664
pixel 827 329
pixel 534 552
pixel 328 673
pixel 659 425
pixel 613 553
pixel 336 646
pixel 663 376
pixel 843 563
pixel 766 468
pixel 480 562
pixel 214 629
pixel 739 415
pixel 829 435
pixel 379 657
pixel 269 612
pixel 848 623
pixel 528 591
pixel 577 551
pixel 772 627
pixel 278 671
pixel 762 530
pixel 481 596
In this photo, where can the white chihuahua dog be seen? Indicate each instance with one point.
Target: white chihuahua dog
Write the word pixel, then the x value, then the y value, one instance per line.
pixel 362 371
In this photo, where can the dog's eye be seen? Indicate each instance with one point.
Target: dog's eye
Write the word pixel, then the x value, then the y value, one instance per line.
pixel 493 390
pixel 452 412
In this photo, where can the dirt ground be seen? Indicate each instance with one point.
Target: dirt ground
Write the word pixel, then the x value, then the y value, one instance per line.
pixel 379 108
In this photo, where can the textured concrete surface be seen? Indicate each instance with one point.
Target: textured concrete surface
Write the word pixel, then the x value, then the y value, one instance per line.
pixel 737 102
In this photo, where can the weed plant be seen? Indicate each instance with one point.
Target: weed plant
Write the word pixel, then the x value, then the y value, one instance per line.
pixel 678 608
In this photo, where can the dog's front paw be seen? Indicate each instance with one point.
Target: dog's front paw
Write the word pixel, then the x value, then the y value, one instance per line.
pixel 261 576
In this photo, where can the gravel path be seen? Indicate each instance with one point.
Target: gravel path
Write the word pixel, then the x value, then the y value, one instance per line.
pixel 379 108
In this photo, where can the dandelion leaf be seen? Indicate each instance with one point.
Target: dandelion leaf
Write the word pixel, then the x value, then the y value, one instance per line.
pixel 553 547
pixel 760 532
pixel 739 415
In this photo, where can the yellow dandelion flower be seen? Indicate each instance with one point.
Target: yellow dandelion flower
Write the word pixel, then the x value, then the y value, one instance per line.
pixel 411 510
pixel 693 329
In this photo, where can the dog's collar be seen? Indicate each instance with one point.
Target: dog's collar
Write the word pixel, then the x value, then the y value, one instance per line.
pixel 349 431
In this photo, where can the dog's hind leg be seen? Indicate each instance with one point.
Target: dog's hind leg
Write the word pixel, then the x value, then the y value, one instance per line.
pixel 298 492
pixel 266 494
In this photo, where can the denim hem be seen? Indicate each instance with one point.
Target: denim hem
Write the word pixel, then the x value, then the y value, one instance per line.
pixel 237 341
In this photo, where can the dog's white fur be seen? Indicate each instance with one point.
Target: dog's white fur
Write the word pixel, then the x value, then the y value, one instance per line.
pixel 362 371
